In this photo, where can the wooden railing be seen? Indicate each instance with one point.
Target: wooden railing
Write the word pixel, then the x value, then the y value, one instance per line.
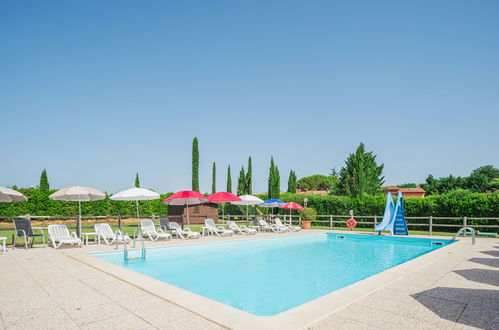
pixel 429 224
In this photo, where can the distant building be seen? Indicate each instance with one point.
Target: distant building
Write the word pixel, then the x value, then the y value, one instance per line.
pixel 417 192
pixel 312 192
pixel 197 213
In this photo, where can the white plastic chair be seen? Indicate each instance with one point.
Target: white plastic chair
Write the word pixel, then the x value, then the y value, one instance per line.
pixel 273 228
pixel 106 233
pixel 3 246
pixel 240 229
pixel 213 229
pixel 59 234
pixel 183 233
pixel 149 229
pixel 279 224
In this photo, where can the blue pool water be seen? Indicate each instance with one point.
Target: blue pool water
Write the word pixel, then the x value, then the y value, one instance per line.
pixel 271 275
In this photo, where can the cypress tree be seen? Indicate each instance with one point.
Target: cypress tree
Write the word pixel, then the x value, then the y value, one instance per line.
pixel 292 182
pixel 44 181
pixel 229 180
pixel 249 179
pixel 137 181
pixel 241 183
pixel 195 165
pixel 214 179
pixel 277 184
pixel 271 179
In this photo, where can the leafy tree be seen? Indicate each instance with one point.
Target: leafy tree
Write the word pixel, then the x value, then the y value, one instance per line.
pixel 407 185
pixel 214 179
pixel 44 181
pixel 229 180
pixel 241 183
pixel 361 174
pixel 195 165
pixel 249 179
pixel 292 182
pixel 318 182
pixel 137 181
pixel 488 170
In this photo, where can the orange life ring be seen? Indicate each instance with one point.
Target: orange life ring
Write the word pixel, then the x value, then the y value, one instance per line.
pixel 351 223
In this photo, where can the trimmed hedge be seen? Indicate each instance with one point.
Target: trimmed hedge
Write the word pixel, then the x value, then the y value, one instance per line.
pixel 40 204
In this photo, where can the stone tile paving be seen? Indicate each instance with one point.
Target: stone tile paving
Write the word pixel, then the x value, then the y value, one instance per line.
pixel 46 289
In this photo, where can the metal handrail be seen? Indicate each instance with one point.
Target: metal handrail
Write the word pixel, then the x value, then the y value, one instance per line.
pixel 137 233
pixel 463 231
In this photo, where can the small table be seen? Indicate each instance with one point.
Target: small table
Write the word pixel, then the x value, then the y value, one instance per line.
pixel 3 246
pixel 205 231
pixel 95 235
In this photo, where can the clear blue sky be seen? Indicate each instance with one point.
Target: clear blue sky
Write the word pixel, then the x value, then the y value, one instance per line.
pixel 95 91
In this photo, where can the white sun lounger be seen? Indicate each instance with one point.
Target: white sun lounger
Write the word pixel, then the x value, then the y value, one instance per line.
pixel 149 230
pixel 240 229
pixel 279 224
pixel 59 234
pixel 3 246
pixel 106 233
pixel 266 227
pixel 183 233
pixel 213 229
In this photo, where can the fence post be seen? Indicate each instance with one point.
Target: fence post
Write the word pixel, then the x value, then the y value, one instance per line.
pixel 119 221
pixel 375 220
pixel 431 225
pixel 331 221
pixel 465 223
pixel 153 218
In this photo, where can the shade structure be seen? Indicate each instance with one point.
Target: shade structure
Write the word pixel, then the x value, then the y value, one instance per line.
pixel 186 197
pixel 291 206
pixel 135 194
pixel 8 195
pixel 248 200
pixel 78 194
pixel 222 197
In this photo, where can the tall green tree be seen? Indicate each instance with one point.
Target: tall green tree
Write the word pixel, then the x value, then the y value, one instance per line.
pixel 229 180
pixel 318 182
pixel 249 178
pixel 195 165
pixel 44 181
pixel 214 179
pixel 292 182
pixel 361 174
pixel 241 182
pixel 137 181
pixel 274 181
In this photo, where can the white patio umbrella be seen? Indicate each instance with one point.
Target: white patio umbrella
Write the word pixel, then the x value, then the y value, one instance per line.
pixel 248 200
pixel 135 194
pixel 78 194
pixel 8 195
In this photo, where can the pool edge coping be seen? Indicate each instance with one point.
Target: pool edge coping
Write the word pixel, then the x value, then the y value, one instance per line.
pixel 295 318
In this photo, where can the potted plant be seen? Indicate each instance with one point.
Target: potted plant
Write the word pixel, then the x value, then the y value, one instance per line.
pixel 308 215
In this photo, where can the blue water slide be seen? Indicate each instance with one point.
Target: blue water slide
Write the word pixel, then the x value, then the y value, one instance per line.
pixel 388 216
pixel 398 225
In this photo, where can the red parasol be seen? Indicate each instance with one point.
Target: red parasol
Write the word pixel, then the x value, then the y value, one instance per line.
pixel 221 197
pixel 186 197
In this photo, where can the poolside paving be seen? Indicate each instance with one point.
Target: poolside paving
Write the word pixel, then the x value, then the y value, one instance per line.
pixel 43 288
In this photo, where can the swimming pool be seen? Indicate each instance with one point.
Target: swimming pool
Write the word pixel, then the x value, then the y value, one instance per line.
pixel 268 276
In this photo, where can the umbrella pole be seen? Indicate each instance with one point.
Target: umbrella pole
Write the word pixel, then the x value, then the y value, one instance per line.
pixel 78 221
pixel 188 220
pixel 137 204
pixel 247 216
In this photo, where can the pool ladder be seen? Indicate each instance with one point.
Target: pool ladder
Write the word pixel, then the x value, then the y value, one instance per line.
pixel 126 256
pixel 463 231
